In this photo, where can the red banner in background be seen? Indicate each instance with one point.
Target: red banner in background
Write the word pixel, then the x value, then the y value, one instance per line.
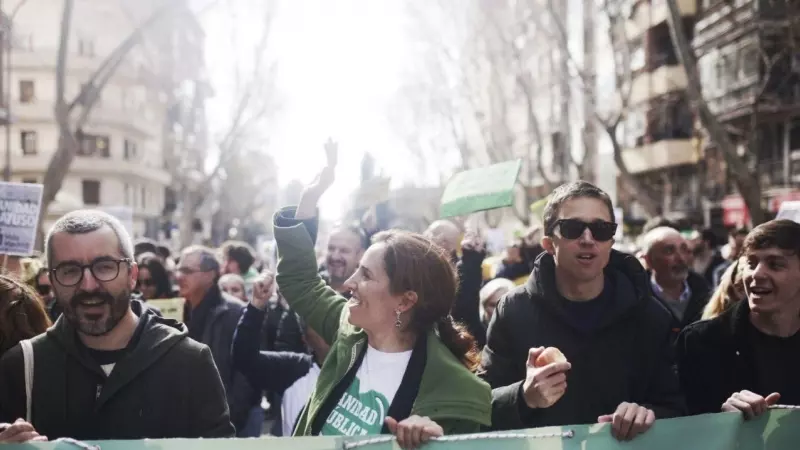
pixel 734 211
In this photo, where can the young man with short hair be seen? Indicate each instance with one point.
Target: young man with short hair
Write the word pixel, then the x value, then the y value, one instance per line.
pixel 748 358
pixel 595 305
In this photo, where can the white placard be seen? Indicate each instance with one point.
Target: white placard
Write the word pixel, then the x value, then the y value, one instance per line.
pixel 20 206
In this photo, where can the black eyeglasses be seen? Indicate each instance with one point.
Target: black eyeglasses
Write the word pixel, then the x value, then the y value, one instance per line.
pixel 71 274
pixel 602 231
pixel 43 289
pixel 147 282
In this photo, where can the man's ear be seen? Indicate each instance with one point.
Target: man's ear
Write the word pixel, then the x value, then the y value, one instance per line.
pixel 548 245
pixel 134 275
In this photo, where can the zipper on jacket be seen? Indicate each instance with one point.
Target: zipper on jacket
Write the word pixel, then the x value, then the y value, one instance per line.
pixel 98 391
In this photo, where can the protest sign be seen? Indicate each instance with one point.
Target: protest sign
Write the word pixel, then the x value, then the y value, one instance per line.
pixel 778 429
pixel 123 213
pixel 171 308
pixel 20 205
pixel 480 189
pixel 789 210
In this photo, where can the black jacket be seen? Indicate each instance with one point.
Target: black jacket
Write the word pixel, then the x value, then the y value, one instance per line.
pixel 626 359
pixel 166 387
pixel 213 323
pixel 716 261
pixel 466 308
pixel 717 358
pixel 701 293
pixel 266 370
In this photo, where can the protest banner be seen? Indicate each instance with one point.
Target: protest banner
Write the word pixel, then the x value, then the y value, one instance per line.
pixel 480 189
pixel 20 205
pixel 171 308
pixel 778 429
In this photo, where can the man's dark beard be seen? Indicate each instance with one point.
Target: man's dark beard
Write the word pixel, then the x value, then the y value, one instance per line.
pixel 118 307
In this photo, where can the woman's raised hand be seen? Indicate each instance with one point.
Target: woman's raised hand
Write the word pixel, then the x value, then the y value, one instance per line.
pixel 324 180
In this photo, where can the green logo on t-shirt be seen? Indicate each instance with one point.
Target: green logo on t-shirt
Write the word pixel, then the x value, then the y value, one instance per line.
pixel 357 414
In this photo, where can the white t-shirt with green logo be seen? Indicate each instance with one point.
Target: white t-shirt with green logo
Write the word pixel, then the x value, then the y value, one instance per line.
pixel 363 406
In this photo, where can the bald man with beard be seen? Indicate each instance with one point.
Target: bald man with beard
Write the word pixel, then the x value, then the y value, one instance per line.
pixel 683 292
pixel 466 308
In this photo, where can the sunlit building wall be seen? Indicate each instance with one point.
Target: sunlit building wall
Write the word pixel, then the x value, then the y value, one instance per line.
pixel 120 160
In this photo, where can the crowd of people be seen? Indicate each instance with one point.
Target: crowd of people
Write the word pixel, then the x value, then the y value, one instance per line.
pixel 413 335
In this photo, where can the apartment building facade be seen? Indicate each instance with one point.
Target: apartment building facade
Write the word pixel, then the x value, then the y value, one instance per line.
pixel 120 161
pixel 748 64
pixel 660 147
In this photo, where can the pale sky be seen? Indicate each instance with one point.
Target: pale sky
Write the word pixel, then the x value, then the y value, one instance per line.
pixel 340 63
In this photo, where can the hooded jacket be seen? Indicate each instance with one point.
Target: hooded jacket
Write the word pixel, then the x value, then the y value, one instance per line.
pixel 626 357
pixel 167 386
pixel 435 385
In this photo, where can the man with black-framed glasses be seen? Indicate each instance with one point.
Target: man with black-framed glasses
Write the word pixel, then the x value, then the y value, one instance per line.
pixel 109 368
pixel 595 305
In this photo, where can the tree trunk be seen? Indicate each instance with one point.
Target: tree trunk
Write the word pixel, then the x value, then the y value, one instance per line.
pixel 746 182
pixel 61 161
pixel 187 218
pixel 641 191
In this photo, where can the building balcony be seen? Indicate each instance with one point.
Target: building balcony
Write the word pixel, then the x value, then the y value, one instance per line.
pixel 662 81
pixel 724 22
pixel 648 14
pixel 78 66
pixel 81 166
pixel 660 155
pixel 115 118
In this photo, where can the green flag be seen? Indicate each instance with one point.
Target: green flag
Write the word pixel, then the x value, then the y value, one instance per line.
pixel 480 189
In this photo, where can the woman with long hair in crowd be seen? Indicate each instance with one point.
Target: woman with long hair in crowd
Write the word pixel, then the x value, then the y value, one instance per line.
pixel 398 363
pixel 729 292
pixel 153 282
pixel 22 314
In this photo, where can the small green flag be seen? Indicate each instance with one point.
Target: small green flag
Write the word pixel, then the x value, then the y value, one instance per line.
pixel 481 189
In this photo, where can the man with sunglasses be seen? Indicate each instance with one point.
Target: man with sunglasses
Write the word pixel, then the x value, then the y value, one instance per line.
pixel 109 368
pixel 595 305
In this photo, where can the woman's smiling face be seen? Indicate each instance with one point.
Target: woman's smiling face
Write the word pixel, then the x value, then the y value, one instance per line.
pixel 372 306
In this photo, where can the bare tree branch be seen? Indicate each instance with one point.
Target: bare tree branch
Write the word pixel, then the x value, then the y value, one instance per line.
pixel 748 187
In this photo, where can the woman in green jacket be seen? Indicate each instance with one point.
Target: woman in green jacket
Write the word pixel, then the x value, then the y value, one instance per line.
pixel 398 363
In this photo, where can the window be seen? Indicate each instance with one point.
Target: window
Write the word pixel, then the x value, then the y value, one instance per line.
pixel 93 145
pixel 144 197
pixel 30 180
pixel 27 92
pixel 749 62
pixel 130 150
pixel 127 194
pixel 29 142
pixel 91 192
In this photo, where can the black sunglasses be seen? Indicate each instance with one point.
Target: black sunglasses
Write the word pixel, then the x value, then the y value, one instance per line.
pixel 43 289
pixel 602 231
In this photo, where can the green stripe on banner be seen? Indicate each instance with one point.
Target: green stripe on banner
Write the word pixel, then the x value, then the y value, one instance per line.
pixel 779 429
